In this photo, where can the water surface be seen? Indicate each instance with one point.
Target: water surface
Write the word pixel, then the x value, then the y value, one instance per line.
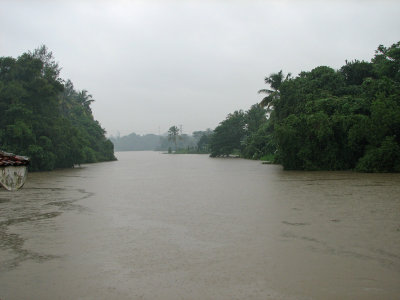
pixel 156 226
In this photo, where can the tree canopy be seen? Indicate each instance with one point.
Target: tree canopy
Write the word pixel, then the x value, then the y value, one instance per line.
pixel 325 119
pixel 173 135
pixel 44 117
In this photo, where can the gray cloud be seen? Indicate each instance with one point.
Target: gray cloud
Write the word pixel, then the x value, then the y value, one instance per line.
pixel 152 64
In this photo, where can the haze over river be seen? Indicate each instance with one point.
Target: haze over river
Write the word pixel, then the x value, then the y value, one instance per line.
pixel 156 226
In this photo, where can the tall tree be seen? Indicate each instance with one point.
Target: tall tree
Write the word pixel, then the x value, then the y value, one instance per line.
pixel 228 135
pixel 173 134
pixel 275 81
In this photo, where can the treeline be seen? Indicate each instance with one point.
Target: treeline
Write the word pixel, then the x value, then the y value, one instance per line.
pixel 174 140
pixel 136 142
pixel 44 117
pixel 197 143
pixel 324 119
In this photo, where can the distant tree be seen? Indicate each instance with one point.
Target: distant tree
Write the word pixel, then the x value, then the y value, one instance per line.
pixel 173 134
pixel 228 135
pixel 247 133
pixel 203 139
pixel 257 141
pixel 135 142
pixel 197 135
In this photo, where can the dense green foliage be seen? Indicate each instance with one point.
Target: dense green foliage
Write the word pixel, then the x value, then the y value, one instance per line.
pixel 326 119
pixel 247 133
pixel 45 118
pixel 202 140
pixel 228 135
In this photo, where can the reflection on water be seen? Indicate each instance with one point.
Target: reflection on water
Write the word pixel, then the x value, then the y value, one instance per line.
pixel 154 226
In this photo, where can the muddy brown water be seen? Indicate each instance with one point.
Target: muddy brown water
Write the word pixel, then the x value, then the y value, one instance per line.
pixel 156 226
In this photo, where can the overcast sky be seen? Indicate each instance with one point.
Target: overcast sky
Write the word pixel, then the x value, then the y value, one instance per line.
pixel 153 64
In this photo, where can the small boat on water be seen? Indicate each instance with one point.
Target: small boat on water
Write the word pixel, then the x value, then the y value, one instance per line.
pixel 13 170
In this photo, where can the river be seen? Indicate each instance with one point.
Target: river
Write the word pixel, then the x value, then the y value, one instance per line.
pixel 157 226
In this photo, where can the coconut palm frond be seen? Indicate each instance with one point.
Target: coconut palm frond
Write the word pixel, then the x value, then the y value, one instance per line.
pixel 265 91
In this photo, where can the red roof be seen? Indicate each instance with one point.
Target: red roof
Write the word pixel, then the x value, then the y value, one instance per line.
pixel 9 159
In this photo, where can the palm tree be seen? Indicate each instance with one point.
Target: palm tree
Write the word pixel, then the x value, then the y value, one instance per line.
pixel 85 100
pixel 173 134
pixel 275 81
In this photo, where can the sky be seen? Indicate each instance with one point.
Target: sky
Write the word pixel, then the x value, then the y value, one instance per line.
pixel 153 64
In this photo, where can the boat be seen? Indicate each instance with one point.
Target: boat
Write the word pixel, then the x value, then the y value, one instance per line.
pixel 13 170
